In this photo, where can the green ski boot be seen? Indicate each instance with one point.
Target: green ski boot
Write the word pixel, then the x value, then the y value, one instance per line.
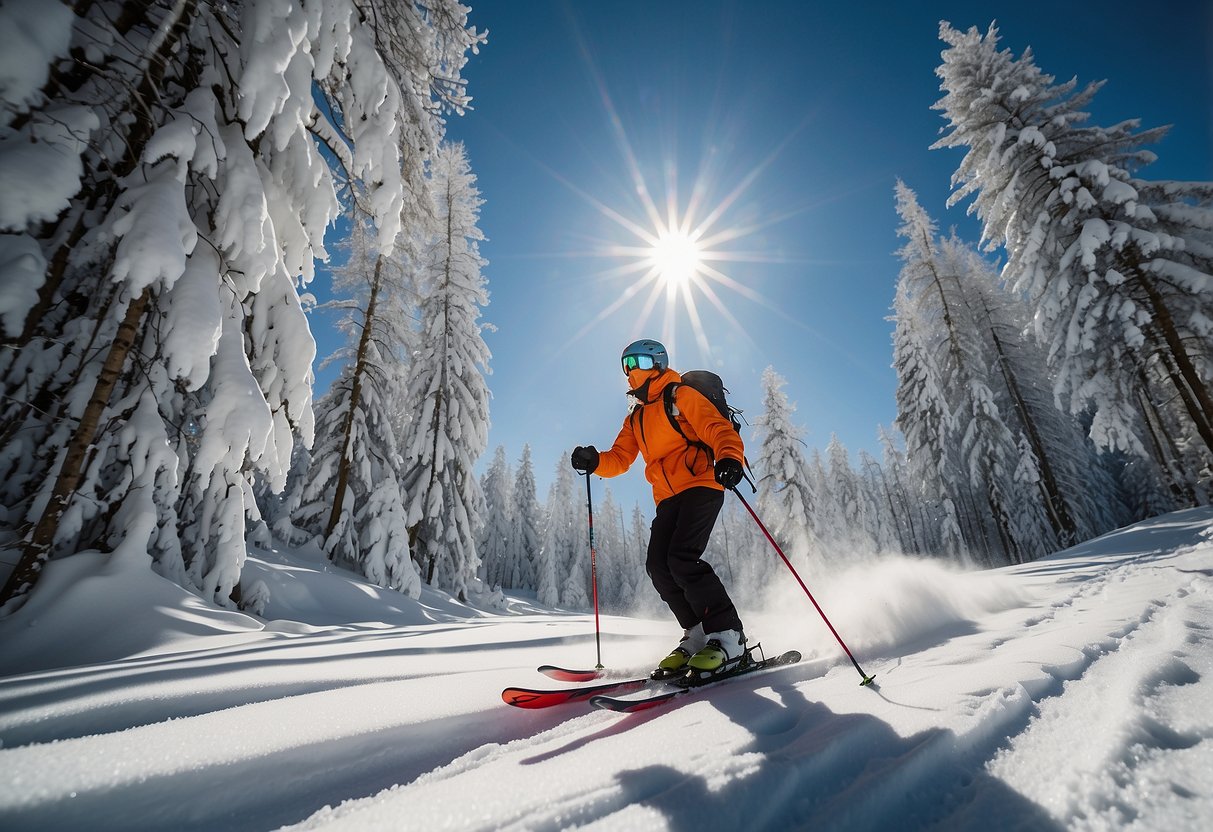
pixel 675 663
pixel 722 650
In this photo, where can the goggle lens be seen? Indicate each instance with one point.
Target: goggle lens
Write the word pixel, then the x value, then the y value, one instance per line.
pixel 637 362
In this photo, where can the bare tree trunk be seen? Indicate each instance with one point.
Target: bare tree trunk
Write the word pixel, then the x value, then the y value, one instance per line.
pixel 1055 503
pixel 1187 381
pixel 436 424
pixel 904 497
pixel 1166 456
pixel 364 343
pixel 40 541
pixel 38 547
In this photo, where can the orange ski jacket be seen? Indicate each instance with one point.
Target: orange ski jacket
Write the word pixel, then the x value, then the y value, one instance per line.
pixel 672 463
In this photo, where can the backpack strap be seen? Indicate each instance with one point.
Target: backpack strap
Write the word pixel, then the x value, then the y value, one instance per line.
pixel 671 409
pixel 667 396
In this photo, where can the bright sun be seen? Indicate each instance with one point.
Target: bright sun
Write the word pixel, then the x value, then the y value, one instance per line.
pixel 676 258
pixel 676 249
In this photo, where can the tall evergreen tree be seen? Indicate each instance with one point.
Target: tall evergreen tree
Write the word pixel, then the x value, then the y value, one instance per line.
pixel 446 383
pixel 498 561
pixel 560 547
pixel 1076 493
pixel 845 492
pixel 575 591
pixel 350 497
pixel 179 197
pixel 978 455
pixel 1116 268
pixel 925 418
pixel 526 526
pixel 613 587
pixel 786 500
pixel 905 510
pixel 879 508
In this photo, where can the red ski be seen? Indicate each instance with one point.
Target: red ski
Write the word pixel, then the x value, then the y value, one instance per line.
pixel 563 674
pixel 531 698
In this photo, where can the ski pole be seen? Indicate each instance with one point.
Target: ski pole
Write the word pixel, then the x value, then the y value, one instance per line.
pixel 589 504
pixel 867 680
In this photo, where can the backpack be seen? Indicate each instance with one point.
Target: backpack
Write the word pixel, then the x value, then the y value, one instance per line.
pixel 712 388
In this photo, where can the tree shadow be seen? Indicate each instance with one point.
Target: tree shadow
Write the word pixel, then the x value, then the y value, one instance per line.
pixel 292 783
pixel 810 768
pixel 142 690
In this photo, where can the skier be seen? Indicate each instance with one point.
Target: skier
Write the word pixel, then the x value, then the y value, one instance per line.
pixel 688 487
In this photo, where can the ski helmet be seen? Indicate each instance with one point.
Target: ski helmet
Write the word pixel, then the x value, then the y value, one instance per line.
pixel 643 355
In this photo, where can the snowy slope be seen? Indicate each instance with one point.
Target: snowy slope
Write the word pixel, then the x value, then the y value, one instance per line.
pixel 1067 693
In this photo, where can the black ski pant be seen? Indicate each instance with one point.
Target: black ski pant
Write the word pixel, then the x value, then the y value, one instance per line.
pixel 686 583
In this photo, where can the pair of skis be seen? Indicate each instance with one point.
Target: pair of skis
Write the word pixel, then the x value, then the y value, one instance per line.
pixel 606 695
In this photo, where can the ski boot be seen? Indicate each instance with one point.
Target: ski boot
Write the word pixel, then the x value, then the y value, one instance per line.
pixel 675 664
pixel 724 653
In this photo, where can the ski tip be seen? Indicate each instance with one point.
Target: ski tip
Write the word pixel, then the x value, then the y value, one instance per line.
pixel 630 706
pixel 606 703
pixel 564 674
pixel 520 698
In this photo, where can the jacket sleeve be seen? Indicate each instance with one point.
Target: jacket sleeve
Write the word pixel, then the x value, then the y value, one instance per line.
pixel 709 425
pixel 622 454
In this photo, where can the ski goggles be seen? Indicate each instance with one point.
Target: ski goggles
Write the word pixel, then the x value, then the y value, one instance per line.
pixel 637 362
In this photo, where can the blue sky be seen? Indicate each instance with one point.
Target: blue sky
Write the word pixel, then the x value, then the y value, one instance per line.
pixel 797 117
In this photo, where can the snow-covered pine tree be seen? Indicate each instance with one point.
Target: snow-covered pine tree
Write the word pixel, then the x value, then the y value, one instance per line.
pixel 844 490
pixel 446 382
pixel 526 526
pixel 498 563
pixel 1077 494
pixel 980 454
pixel 575 592
pixel 924 418
pixel 786 501
pixel 904 508
pixel 165 196
pixel 350 497
pixel 1116 268
pixel 559 536
pixel 608 545
pixel 621 589
pixel 828 518
pixel 879 508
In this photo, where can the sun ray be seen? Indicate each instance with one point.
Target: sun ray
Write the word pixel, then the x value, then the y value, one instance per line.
pixel 616 124
pixel 712 242
pixel 697 327
pixel 749 179
pixel 729 283
pixel 649 305
pixel 630 292
pixel 727 314
pixel 681 244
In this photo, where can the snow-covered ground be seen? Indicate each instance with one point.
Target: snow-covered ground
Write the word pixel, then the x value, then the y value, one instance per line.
pixel 1072 692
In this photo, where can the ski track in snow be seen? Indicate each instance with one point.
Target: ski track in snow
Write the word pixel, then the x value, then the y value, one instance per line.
pixel 1081 705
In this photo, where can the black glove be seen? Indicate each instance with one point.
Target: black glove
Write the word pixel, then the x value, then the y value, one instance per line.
pixel 585 458
pixel 728 472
